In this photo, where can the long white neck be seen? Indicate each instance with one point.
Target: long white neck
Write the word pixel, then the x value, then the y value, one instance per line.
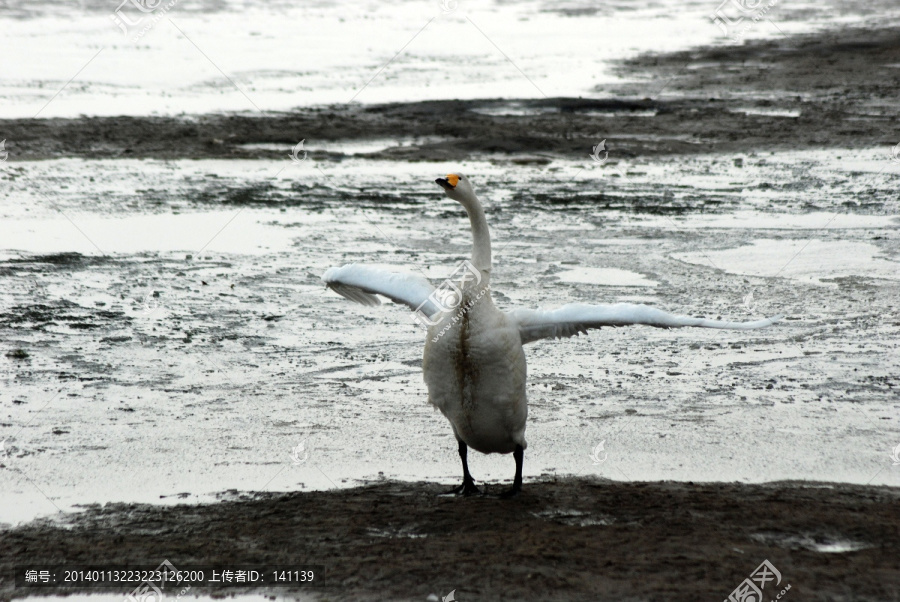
pixel 481 236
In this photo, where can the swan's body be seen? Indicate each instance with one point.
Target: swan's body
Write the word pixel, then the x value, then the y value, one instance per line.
pixel 475 374
pixel 474 363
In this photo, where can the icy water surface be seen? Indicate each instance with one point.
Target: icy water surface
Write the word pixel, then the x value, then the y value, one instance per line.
pixel 201 56
pixel 168 338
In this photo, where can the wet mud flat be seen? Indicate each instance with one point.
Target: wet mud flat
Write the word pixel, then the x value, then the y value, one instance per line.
pixel 828 89
pixel 561 539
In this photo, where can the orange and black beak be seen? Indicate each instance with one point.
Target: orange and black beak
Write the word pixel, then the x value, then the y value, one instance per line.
pixel 448 183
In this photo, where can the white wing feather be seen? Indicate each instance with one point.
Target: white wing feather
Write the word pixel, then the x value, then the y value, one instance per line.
pixel 569 320
pixel 361 283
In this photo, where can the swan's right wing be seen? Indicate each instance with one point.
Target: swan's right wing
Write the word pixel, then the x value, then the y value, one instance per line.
pixel 569 320
pixel 361 283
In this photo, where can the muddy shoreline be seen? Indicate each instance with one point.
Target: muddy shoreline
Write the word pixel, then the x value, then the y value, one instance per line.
pixel 763 95
pixel 562 539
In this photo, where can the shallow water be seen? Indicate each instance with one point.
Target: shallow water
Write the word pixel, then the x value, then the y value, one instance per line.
pixel 205 56
pixel 180 363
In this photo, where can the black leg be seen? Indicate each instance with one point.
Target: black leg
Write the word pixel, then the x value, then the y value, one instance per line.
pixel 468 485
pixel 519 456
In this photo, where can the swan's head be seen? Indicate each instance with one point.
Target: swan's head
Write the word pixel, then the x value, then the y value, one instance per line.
pixel 457 187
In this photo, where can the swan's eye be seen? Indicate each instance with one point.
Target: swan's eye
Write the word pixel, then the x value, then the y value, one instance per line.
pixel 453 179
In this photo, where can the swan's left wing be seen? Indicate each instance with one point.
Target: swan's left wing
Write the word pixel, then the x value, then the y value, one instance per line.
pixel 361 283
pixel 569 320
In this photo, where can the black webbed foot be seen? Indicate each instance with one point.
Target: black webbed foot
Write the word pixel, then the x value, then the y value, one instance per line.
pixel 516 488
pixel 466 489
pixel 468 485
pixel 512 492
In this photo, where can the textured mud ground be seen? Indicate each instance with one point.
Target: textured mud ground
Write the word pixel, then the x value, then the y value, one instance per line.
pixel 832 89
pixel 149 368
pixel 561 539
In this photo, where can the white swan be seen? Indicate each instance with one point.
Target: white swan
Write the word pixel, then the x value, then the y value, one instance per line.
pixel 474 364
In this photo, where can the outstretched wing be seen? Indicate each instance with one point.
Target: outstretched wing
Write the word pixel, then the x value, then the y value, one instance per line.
pixel 361 283
pixel 569 320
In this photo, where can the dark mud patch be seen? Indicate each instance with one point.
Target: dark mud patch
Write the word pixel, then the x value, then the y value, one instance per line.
pixel 562 539
pixel 313 197
pixel 851 64
pixel 832 89
pixel 38 316
pixel 51 262
pixel 829 89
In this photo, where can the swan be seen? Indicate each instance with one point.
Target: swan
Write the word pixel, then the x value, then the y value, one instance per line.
pixel 474 362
